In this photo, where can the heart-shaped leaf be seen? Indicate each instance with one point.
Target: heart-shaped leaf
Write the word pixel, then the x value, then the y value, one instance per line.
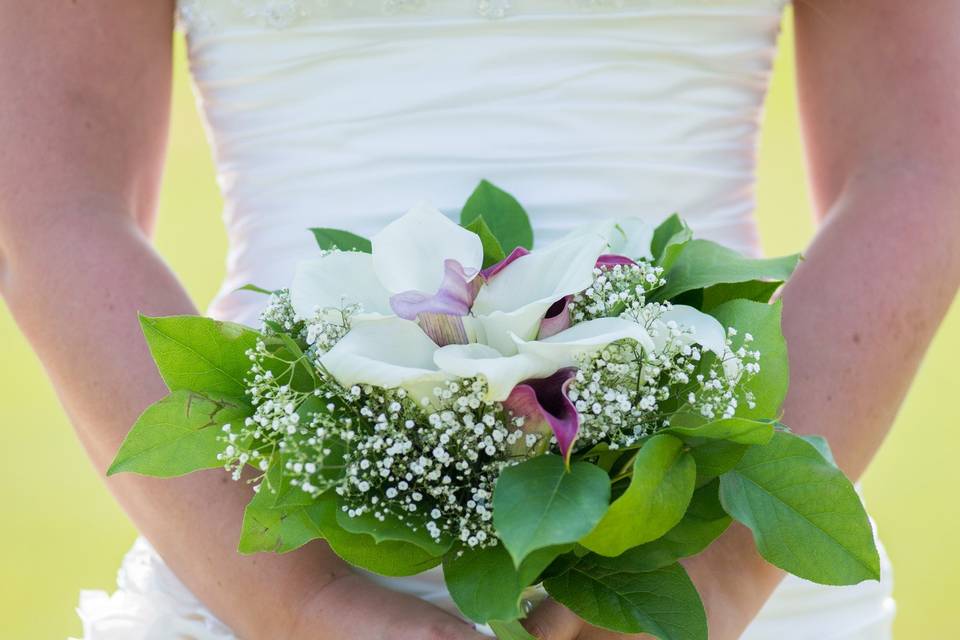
pixel 703 263
pixel 179 434
pixel 663 602
pixel 340 239
pixel 805 515
pixel 539 503
pixel 200 354
pixel 663 480
pixel 502 214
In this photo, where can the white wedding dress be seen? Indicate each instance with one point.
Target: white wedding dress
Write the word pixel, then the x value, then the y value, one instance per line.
pixel 345 113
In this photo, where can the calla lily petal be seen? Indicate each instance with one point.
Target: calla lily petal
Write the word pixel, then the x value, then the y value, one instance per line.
pixel 517 299
pixel 335 280
pixel 502 373
pixel 492 270
pixel 499 327
pixel 609 260
pixel 543 403
pixel 625 236
pixel 454 297
pixel 556 319
pixel 388 353
pixel 706 330
pixel 410 252
pixel 541 276
pixel 586 337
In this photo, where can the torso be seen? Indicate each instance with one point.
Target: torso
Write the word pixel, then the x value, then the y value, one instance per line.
pixel 345 113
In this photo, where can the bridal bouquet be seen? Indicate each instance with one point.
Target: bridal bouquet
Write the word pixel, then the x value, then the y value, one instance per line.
pixel 578 418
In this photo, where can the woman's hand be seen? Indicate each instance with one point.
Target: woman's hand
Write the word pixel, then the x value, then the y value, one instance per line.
pixel 550 620
pixel 353 607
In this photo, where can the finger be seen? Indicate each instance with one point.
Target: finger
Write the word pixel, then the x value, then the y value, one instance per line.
pixel 593 633
pixel 553 621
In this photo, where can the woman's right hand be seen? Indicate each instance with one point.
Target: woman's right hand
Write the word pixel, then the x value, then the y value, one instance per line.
pixel 352 606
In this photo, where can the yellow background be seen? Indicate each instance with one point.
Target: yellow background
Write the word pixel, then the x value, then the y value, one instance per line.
pixel 61 531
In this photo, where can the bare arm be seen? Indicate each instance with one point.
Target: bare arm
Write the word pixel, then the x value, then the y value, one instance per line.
pixel 880 104
pixel 83 120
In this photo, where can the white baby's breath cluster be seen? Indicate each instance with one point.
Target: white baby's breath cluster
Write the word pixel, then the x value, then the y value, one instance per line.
pixel 620 290
pixel 623 392
pixel 433 467
pixel 429 465
pixel 279 314
pixel 275 402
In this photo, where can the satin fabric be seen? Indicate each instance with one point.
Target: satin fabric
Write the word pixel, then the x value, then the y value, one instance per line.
pixel 336 113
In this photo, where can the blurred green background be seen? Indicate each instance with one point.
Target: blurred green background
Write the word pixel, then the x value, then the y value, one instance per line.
pixel 62 531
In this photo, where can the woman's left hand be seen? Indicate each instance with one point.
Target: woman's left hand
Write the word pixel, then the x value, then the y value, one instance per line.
pixel 553 621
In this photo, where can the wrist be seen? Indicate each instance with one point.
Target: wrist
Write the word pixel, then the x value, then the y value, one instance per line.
pixel 732 604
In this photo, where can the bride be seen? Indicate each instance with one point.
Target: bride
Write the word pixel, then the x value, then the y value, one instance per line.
pixel 344 113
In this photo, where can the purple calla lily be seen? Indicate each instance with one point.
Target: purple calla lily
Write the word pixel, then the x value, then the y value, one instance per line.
pixel 557 318
pixel 545 408
pixel 609 260
pixel 440 315
pixel 454 297
pixel 494 269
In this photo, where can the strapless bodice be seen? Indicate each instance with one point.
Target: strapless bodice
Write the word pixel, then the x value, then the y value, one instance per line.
pixel 351 113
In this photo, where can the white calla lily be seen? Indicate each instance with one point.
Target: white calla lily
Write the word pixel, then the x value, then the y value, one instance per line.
pixel 705 330
pixel 388 353
pixel 563 349
pixel 421 262
pixel 628 237
pixel 336 280
pixel 516 299
pixel 409 253
pixel 502 373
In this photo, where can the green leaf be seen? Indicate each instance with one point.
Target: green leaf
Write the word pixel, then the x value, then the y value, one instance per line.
pixel 756 290
pixel 511 630
pixel 178 435
pixel 340 239
pixel 703 264
pixel 805 515
pixel 740 430
pixel 200 354
pixel 539 503
pixel 663 480
pixel 762 321
pixel 503 215
pixel 388 558
pixel 255 289
pixel 662 602
pixel 276 530
pixel 492 251
pixel 391 528
pixel 822 445
pixel 715 457
pixel 703 523
pixel 668 241
pixel 485 584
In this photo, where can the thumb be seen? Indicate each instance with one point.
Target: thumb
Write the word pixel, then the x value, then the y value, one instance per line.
pixel 553 621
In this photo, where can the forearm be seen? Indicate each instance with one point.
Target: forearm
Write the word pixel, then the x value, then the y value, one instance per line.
pixel 858 316
pixel 77 299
